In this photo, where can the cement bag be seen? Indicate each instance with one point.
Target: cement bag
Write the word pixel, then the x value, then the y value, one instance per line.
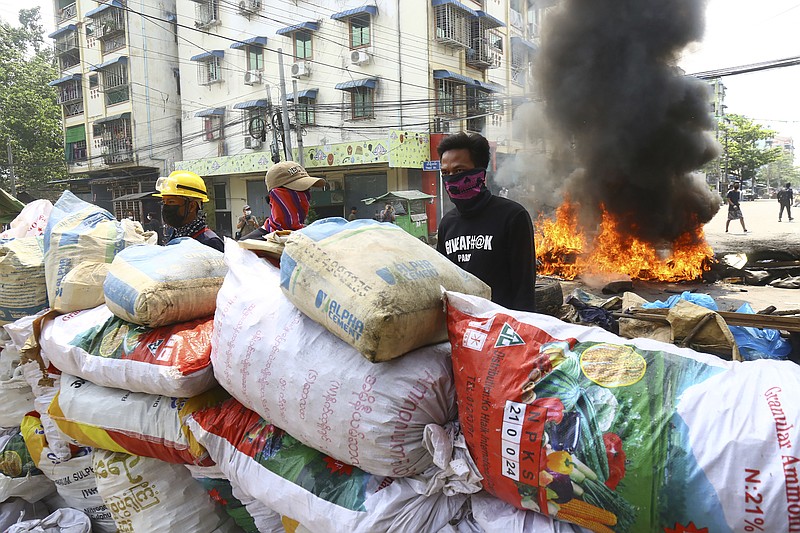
pixel 305 485
pixel 149 496
pixel 290 370
pixel 82 288
pixel 23 290
pixel 30 222
pixel 624 435
pixel 19 477
pixel 249 514
pixel 160 285
pixel 79 231
pixel 74 478
pixel 16 396
pixel 106 350
pixel 372 285
pixel 129 422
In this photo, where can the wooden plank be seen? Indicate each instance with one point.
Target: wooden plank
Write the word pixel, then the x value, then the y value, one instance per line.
pixel 786 323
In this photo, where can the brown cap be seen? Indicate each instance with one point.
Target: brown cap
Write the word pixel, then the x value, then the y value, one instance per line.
pixel 292 176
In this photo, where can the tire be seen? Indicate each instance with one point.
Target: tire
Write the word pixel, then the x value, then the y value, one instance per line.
pixel 549 297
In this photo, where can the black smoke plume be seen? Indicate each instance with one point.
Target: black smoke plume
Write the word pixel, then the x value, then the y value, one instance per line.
pixel 638 127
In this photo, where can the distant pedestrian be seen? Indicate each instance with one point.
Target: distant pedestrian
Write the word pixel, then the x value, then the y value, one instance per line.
pixel 353 214
pixel 247 223
pixel 155 225
pixel 734 209
pixel 785 198
pixel 388 214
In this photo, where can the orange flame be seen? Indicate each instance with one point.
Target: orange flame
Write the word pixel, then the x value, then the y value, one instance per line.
pixel 561 250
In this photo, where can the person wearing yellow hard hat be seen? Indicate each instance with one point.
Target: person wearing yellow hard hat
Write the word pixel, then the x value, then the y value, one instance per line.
pixel 182 196
pixel 289 198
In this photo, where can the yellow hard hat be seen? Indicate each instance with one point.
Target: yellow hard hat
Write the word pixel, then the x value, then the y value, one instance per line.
pixel 182 183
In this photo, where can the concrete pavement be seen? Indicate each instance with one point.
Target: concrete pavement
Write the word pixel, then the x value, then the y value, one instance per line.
pixel 766 237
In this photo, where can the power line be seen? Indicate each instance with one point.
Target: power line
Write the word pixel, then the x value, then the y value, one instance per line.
pixel 753 67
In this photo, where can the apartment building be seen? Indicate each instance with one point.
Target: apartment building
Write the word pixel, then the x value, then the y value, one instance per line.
pixel 377 85
pixel 120 96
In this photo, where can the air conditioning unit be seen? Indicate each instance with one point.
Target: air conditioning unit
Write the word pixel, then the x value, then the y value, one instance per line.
pixel 359 57
pixel 247 7
pixel 301 69
pixel 251 143
pixel 252 77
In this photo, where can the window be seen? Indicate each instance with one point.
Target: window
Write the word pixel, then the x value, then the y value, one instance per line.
pixel 206 13
pixel 305 111
pixel 220 197
pixel 115 83
pixel 447 97
pixel 302 45
pixel 75 143
pixel 359 31
pixel 212 126
pixel 362 100
pixel 209 70
pixel 255 57
pixel 116 141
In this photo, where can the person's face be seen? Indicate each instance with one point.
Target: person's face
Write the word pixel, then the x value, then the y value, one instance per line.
pixel 455 161
pixel 177 210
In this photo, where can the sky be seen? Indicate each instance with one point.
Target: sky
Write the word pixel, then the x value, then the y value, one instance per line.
pixel 738 32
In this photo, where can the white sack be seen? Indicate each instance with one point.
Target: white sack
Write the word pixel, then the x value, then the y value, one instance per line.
pixel 30 222
pixel 23 290
pixel 82 288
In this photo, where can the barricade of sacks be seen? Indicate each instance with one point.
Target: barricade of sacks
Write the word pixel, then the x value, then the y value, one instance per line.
pixel 171 390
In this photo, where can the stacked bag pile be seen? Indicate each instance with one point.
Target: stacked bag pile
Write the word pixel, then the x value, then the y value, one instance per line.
pixel 177 389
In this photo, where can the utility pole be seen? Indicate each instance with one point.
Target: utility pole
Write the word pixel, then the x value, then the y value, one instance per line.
pixel 12 179
pixel 287 139
pixel 300 155
pixel 273 149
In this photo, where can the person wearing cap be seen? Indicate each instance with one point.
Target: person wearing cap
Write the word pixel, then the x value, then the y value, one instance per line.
pixel 247 224
pixel 183 194
pixel 289 198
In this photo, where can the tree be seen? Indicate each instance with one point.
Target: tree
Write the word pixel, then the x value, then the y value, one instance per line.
pixel 780 171
pixel 741 140
pixel 30 117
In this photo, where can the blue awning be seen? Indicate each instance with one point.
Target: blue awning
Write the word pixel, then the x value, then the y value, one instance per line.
pixel 441 74
pixel 369 83
pixel 490 87
pixel 65 79
pixel 208 55
pixel 490 21
pixel 100 9
pixel 251 104
pixel 305 93
pixel 212 112
pixel 61 31
pixel 371 10
pixel 308 26
pixel 454 3
pixel 260 41
pixel 110 62
pixel 519 41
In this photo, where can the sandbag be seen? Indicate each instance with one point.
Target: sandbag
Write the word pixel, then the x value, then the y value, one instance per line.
pixel 129 422
pixel 79 231
pixel 45 385
pixel 30 222
pixel 19 477
pixel 373 285
pixel 623 435
pixel 16 396
pixel 74 478
pixel 97 346
pixel 321 493
pixel 150 496
pixel 290 370
pixel 15 510
pixel 23 290
pixel 61 520
pixel 82 288
pixel 160 285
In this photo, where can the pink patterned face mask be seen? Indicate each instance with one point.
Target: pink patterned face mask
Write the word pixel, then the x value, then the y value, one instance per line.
pixel 465 185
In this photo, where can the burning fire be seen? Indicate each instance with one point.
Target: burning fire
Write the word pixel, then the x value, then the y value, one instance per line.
pixel 562 250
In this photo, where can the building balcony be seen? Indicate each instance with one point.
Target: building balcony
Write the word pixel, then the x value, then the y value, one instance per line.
pixel 484 53
pixel 118 151
pixel 73 109
pixel 67 12
pixel 68 44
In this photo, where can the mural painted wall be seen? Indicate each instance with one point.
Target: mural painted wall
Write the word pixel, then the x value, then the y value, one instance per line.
pixel 402 149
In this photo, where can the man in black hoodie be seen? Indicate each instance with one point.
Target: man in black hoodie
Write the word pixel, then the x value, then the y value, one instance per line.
pixel 489 236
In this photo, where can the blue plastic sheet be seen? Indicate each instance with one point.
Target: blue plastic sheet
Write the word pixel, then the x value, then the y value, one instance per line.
pixel 756 343
pixel 703 300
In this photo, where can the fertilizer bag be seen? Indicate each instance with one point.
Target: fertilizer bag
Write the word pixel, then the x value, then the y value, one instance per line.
pixel 372 285
pixel 290 370
pixel 623 435
pixel 79 231
pixel 160 285
pixel 23 290
pixel 97 346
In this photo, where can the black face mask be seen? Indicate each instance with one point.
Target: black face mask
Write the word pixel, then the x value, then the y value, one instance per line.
pixel 171 216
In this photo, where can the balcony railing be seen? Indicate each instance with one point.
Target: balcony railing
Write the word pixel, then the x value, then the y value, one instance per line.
pixel 484 53
pixel 73 109
pixel 113 43
pixel 206 13
pixel 68 60
pixel 67 44
pixel 67 12
pixel 70 94
pixel 117 151
pixel 109 23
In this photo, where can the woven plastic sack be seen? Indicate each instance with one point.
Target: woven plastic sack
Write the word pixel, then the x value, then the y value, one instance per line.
pixel 317 491
pixel 373 285
pixel 82 288
pixel 146 495
pixel 16 396
pixel 161 285
pixel 130 422
pixel 23 290
pixel 64 520
pixel 624 435
pixel 30 222
pixel 19 477
pixel 293 372
pixel 79 231
pixel 97 346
